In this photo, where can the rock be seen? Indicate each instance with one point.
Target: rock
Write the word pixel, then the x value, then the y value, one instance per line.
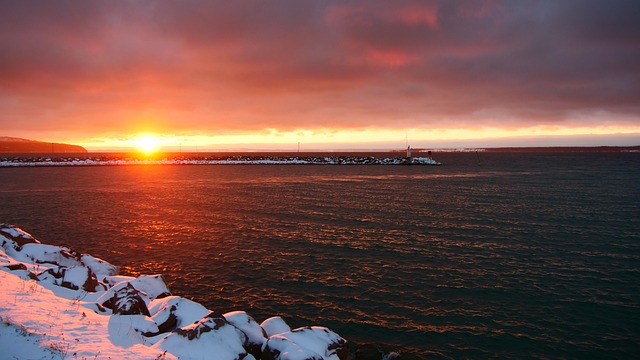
pixel 83 278
pixel 152 285
pixel 113 280
pixel 175 312
pixel 256 336
pixel 212 336
pixel 124 299
pixel 13 238
pixel 307 343
pixel 74 278
pixel 14 267
pixel 99 267
pixel 51 276
pixel 50 254
pixel 20 270
pixel 275 325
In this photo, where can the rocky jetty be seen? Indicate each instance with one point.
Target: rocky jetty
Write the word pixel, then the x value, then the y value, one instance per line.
pixel 144 309
pixel 120 160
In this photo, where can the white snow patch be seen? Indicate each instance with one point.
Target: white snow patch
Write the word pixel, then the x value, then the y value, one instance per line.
pixel 51 322
pixel 275 325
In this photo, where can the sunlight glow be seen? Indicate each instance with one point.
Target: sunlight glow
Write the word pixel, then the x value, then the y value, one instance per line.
pixel 335 139
pixel 147 144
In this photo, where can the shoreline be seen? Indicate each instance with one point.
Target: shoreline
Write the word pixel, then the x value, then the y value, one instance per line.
pixel 133 316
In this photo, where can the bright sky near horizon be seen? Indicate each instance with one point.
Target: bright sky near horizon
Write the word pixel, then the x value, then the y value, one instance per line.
pixel 214 75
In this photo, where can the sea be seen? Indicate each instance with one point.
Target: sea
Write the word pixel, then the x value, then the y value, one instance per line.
pixel 492 255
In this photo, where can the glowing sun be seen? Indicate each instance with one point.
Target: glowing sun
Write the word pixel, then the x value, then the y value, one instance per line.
pixel 147 144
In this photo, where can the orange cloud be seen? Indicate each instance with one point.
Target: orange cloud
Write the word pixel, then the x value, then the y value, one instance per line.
pixel 233 68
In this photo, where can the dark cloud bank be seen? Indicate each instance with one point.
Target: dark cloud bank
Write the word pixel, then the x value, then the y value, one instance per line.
pixel 251 65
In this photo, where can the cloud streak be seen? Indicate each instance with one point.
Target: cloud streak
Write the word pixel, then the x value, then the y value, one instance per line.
pixel 216 67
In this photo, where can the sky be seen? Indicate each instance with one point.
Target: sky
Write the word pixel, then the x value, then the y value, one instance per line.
pixel 367 74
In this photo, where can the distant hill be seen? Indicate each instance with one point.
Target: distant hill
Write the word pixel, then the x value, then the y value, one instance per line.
pixel 23 146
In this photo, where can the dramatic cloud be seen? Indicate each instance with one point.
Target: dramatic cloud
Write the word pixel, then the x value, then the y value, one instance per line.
pixel 224 67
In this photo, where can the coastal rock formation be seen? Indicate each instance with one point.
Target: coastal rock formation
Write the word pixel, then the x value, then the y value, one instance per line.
pixel 256 336
pixel 74 278
pixel 211 335
pixel 12 238
pixel 275 325
pixel 124 299
pixel 22 246
pixel 142 309
pixel 174 312
pixel 307 343
pixel 153 286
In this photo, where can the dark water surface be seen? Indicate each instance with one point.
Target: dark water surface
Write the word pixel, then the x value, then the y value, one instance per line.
pixel 522 255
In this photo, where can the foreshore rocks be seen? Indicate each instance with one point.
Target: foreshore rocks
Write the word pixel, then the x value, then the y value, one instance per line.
pixel 145 310
pixel 306 343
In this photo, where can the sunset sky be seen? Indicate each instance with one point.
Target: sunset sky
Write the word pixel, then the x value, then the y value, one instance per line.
pixel 220 75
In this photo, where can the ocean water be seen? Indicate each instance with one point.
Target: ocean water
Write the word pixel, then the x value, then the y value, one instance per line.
pixel 495 255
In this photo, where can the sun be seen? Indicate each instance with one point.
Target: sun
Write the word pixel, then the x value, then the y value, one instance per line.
pixel 147 144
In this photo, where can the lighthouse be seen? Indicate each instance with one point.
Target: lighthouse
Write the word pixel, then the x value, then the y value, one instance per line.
pixel 409 160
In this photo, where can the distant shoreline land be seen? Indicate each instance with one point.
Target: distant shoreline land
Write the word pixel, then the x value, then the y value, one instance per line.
pixel 11 145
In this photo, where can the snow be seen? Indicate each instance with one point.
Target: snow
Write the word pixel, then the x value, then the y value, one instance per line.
pixel 247 325
pixel 305 343
pixel 52 306
pixel 15 233
pixel 209 336
pixel 275 325
pixel 185 311
pixel 55 325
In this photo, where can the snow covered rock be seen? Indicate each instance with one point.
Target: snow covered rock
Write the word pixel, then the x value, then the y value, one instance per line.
pixel 20 270
pixel 50 254
pixel 175 312
pixel 275 325
pixel 307 343
pixel 124 299
pixel 12 237
pixel 256 336
pixel 213 336
pixel 99 267
pixel 21 246
pixel 14 267
pixel 152 285
pixel 113 280
pixel 74 278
